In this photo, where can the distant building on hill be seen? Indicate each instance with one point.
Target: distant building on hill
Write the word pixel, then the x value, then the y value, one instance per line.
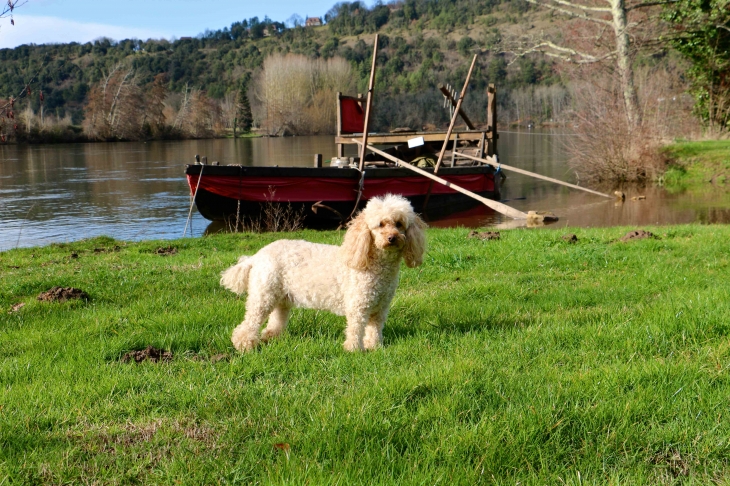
pixel 313 22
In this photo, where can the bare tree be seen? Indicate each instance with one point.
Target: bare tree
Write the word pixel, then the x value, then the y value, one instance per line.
pixel 114 110
pixel 612 30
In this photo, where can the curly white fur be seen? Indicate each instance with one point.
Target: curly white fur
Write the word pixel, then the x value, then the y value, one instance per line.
pixel 357 280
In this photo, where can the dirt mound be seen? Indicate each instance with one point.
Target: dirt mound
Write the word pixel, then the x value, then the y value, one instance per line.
pixel 485 235
pixel 637 235
pixel 167 250
pixel 571 238
pixel 62 294
pixel 150 352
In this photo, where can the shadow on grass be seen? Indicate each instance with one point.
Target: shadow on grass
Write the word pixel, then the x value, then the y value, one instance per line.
pixel 443 324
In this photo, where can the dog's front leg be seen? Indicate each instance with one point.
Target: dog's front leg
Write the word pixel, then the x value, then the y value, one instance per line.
pixel 356 321
pixel 374 330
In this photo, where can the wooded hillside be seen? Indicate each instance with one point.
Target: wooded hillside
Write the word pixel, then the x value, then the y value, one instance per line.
pixel 422 43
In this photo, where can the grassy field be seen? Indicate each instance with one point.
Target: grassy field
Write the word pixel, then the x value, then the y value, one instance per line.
pixel 699 166
pixel 525 360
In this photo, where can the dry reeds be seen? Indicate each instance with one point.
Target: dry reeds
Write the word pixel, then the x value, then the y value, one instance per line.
pixel 296 94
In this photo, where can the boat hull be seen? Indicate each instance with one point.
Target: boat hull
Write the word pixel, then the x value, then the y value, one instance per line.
pixel 326 195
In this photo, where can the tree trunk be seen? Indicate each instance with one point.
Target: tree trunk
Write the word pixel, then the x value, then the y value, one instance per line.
pixel 623 61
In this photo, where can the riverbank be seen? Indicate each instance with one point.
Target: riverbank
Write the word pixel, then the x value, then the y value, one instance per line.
pixel 526 359
pixel 698 166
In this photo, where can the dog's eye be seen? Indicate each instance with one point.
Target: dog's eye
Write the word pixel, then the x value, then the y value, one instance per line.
pixel 399 224
pixel 382 224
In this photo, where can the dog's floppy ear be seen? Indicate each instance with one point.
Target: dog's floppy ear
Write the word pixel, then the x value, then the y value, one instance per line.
pixel 415 242
pixel 357 244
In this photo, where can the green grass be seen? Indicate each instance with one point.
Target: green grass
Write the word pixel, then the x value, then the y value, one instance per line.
pixel 526 360
pixel 698 166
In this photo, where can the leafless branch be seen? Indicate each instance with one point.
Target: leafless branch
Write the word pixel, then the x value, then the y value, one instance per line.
pixel 583 7
pixel 526 45
pixel 569 12
pixel 10 6
pixel 650 4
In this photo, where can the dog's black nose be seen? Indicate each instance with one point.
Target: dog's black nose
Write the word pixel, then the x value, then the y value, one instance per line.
pixel 391 239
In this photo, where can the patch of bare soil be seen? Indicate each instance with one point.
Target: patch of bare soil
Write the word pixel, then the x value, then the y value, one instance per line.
pixel 62 294
pixel 637 235
pixel 485 235
pixel 673 462
pixel 166 250
pixel 150 352
pixel 571 238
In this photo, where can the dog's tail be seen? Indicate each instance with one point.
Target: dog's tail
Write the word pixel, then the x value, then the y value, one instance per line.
pixel 235 278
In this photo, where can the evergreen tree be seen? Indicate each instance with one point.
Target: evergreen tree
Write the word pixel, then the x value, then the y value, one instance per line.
pixel 244 118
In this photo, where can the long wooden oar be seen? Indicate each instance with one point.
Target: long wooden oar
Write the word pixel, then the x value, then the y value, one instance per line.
pixel 457 111
pixel 497 206
pixel 491 161
pixel 368 105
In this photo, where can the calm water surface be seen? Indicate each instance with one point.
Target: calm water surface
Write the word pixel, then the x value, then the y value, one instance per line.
pixel 134 191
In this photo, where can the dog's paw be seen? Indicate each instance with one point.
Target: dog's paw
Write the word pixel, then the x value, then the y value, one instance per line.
pixel 244 341
pixel 245 344
pixel 267 335
pixel 353 346
pixel 372 345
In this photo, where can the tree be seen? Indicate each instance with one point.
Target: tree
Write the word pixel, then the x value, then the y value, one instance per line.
pixel 114 110
pixel 244 118
pixel 701 32
pixel 623 26
pixel 154 116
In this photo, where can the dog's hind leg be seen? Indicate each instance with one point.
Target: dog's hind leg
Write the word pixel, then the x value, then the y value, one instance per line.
pixel 258 306
pixel 277 323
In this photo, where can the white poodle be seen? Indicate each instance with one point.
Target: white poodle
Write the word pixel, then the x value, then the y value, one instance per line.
pixel 357 280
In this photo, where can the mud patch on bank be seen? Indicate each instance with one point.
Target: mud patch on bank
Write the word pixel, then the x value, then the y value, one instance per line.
pixel 637 235
pixel 166 250
pixel 150 353
pixel 485 235
pixel 62 294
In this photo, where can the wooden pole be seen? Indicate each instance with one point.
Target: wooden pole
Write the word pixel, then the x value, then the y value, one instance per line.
pixel 497 206
pixel 338 124
pixel 456 114
pixel 491 161
pixel 457 110
pixel 492 119
pixel 451 99
pixel 369 104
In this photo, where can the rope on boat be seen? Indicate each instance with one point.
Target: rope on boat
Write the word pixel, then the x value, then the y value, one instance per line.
pixel 238 207
pixel 360 187
pixel 192 202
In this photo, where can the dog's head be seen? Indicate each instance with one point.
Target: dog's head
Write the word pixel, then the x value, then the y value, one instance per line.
pixel 387 224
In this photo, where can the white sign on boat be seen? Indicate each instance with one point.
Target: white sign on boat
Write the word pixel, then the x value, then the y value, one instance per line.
pixel 415 142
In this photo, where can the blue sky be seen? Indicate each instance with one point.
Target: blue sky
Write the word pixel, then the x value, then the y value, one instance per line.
pixel 46 21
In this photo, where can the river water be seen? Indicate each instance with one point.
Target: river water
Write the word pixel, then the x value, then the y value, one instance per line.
pixel 135 191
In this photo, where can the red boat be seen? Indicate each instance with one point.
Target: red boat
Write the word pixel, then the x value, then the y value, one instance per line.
pixel 326 195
